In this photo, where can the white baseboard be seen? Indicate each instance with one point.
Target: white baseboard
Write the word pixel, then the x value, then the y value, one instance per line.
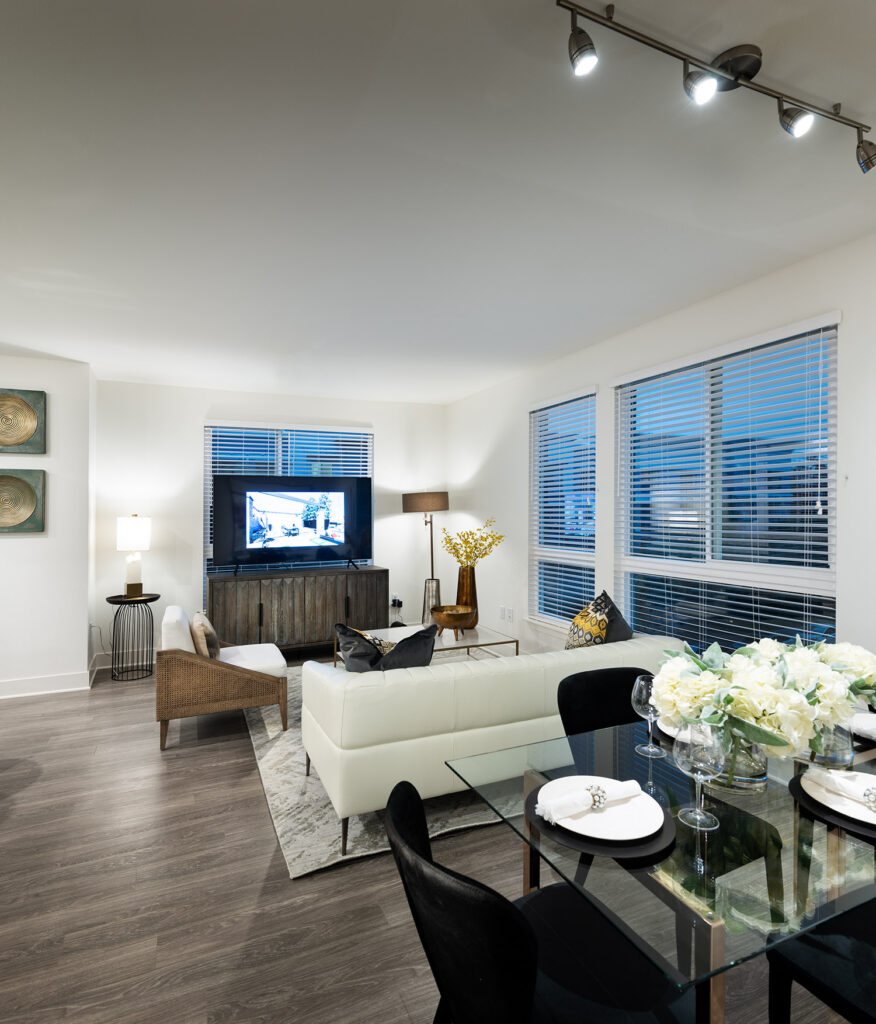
pixel 32 686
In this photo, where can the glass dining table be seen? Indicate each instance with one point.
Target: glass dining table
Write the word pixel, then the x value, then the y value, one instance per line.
pixel 694 902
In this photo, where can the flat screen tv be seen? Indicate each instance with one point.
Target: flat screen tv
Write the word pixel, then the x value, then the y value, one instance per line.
pixel 259 520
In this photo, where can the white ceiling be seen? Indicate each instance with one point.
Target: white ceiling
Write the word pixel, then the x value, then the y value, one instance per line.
pixel 398 200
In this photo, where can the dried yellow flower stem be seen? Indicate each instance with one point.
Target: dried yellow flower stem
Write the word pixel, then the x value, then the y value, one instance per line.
pixel 468 547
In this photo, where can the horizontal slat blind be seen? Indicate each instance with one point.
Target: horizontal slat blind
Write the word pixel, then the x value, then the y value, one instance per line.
pixel 726 495
pixel 563 508
pixel 278 452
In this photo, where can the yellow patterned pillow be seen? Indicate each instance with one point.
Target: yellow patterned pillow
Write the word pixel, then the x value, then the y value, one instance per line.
pixel 588 629
pixel 384 646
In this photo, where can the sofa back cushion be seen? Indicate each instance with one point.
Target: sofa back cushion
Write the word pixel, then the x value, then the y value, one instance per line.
pixel 176 634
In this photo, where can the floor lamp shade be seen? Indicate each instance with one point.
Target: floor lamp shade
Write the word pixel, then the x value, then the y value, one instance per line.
pixel 133 534
pixel 425 501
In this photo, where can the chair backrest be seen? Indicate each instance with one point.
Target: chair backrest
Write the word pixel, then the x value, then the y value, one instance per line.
pixel 481 949
pixel 597 699
pixel 176 633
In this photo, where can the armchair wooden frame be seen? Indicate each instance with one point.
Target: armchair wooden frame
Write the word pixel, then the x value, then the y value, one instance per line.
pixel 189 684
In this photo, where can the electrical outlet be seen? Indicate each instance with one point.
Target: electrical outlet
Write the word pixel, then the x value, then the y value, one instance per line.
pixel 394 597
pixel 509 614
pixel 501 611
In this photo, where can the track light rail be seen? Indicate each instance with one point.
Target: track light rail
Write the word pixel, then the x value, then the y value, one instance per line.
pixel 607 21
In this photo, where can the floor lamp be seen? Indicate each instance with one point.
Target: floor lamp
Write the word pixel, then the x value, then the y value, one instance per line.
pixel 428 502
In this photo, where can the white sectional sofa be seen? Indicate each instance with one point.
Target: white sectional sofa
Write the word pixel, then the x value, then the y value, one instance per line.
pixel 366 731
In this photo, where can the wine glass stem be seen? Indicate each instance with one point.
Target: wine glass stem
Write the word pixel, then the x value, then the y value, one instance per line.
pixel 650 731
pixel 698 782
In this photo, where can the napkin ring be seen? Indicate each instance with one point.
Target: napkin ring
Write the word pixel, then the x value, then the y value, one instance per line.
pixel 599 795
pixel 869 798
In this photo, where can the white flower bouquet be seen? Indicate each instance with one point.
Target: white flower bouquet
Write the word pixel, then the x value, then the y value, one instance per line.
pixel 780 696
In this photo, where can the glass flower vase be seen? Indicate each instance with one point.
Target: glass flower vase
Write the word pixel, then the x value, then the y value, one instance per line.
pixel 745 768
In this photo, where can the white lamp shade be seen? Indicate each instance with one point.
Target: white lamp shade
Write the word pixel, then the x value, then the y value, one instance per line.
pixel 133 533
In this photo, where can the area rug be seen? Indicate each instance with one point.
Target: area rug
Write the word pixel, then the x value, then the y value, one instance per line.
pixel 307 827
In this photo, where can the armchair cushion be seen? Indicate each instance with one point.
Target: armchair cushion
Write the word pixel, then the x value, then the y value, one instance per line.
pixel 176 634
pixel 204 636
pixel 264 658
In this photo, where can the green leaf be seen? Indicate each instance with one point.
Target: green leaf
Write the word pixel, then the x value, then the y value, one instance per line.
pixel 755 733
pixel 689 651
pixel 747 652
pixel 714 657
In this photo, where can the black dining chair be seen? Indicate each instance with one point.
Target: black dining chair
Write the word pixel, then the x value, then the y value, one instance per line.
pixel 597 699
pixel 836 962
pixel 549 957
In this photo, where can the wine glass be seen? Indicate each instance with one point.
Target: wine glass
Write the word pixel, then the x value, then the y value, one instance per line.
pixel 699 752
pixel 642 705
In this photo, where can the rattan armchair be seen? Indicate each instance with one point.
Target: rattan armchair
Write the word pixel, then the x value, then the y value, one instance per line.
pixel 188 684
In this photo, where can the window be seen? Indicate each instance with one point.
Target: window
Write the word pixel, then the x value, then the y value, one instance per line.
pixel 267 451
pixel 563 509
pixel 725 505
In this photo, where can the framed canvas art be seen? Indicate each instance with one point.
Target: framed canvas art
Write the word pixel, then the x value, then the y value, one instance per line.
pixel 22 500
pixel 22 422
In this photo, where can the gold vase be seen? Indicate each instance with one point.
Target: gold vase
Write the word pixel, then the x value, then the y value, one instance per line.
pixel 466 592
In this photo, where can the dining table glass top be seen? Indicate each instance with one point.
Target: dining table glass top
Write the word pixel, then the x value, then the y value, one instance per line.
pixel 700 902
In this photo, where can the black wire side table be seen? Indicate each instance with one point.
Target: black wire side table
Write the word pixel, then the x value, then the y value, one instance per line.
pixel 133 629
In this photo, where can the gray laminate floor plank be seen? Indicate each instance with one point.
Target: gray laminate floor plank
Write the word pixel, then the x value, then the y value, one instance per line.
pixel 140 887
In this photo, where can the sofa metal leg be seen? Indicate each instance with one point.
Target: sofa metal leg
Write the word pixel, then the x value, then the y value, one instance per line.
pixel 164 723
pixel 344 824
pixel 306 763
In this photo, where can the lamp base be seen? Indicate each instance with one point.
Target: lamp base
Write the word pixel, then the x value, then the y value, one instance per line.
pixel 133 590
pixel 431 597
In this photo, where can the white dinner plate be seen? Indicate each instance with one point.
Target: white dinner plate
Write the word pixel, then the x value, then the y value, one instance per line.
pixel 841 804
pixel 864 725
pixel 637 817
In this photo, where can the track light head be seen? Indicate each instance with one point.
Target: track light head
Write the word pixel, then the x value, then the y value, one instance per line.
pixel 699 85
pixel 795 120
pixel 866 153
pixel 582 52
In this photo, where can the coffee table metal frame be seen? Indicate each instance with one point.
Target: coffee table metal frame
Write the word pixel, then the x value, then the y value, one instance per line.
pixel 478 638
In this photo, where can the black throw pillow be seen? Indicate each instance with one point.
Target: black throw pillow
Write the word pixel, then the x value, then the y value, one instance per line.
pixel 359 652
pixel 618 627
pixel 411 652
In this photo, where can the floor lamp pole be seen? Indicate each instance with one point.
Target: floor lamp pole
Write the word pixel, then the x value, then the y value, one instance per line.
pixel 429 519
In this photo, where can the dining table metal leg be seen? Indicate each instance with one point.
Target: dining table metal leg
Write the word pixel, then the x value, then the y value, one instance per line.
pixel 532 780
pixel 709 953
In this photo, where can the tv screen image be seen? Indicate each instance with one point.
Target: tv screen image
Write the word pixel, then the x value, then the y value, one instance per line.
pixel 294 519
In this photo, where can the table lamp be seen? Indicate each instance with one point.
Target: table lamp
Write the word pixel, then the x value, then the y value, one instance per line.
pixel 133 534
pixel 428 502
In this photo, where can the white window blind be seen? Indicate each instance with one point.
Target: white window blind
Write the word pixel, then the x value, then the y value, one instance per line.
pixel 279 452
pixel 726 495
pixel 563 508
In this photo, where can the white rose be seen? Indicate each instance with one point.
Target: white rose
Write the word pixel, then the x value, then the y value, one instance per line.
pixel 769 648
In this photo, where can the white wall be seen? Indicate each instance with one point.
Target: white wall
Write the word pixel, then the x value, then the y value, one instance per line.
pixel 149 459
pixel 490 429
pixel 44 576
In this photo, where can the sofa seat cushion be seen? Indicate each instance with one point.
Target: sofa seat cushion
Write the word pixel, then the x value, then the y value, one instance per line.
pixel 256 657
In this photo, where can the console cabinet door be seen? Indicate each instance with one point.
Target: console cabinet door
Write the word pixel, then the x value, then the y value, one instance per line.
pixel 283 611
pixel 234 609
pixel 367 600
pixel 323 606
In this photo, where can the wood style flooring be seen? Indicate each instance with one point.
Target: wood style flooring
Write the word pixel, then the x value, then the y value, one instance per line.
pixel 145 888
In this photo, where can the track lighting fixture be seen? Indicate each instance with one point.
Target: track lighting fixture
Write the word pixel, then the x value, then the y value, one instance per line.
pixel 582 52
pixel 795 120
pixel 701 87
pixel 732 69
pixel 866 153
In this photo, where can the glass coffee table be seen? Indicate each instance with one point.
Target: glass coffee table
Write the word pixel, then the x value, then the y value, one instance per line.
pixel 496 644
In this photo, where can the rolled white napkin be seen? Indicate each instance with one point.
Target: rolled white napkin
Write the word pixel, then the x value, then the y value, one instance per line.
pixel 853 785
pixel 585 797
pixel 864 724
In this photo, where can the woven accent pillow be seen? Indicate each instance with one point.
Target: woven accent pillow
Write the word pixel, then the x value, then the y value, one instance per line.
pixel 588 629
pixel 204 636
